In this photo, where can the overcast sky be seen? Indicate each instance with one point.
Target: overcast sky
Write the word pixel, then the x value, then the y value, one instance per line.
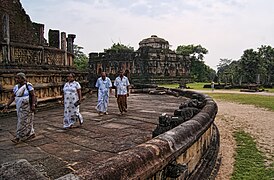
pixel 224 27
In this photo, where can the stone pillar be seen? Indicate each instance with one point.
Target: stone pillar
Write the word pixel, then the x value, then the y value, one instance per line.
pixel 70 42
pixel 64 47
pixel 63 41
pixel 54 38
pixel 39 29
pixel 6 38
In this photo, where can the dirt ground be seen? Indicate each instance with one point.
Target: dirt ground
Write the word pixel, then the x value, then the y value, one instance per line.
pixel 258 122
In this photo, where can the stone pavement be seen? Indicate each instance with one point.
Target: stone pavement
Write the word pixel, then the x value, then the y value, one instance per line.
pixel 56 152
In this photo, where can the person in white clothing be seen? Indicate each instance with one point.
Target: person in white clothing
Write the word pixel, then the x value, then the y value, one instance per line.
pixel 121 84
pixel 104 85
pixel 72 98
pixel 23 91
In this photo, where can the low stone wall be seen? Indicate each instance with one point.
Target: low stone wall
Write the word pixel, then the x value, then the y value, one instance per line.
pixel 188 151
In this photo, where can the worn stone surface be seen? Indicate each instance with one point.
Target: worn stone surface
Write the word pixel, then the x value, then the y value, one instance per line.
pixel 56 152
pixel 19 169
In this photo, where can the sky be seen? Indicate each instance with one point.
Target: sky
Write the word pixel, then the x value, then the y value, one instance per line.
pixel 226 28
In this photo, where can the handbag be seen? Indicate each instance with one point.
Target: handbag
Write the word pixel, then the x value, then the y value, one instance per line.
pixel 77 103
pixel 30 98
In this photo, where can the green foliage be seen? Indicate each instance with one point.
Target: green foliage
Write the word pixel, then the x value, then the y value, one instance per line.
pixel 80 59
pixel 199 71
pixel 194 52
pixel 118 47
pixel 228 71
pixel 196 85
pixel 250 65
pixel 253 67
pixel 249 161
pixel 169 85
pixel 266 56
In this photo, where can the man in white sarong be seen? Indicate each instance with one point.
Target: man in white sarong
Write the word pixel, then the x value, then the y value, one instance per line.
pixel 104 85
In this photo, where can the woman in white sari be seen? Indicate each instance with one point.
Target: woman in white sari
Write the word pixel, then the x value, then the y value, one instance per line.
pixel 25 110
pixel 72 97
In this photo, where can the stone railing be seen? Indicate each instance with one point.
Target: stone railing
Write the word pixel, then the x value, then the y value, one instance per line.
pixel 188 151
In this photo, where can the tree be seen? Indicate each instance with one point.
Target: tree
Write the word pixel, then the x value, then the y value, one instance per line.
pixel 251 66
pixel 226 71
pixel 80 59
pixel 266 56
pixel 199 71
pixel 119 48
pixel 194 52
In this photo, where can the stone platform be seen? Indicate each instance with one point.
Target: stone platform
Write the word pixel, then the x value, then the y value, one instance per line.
pixel 56 152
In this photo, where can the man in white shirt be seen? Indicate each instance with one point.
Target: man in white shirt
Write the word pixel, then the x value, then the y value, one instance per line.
pixel 104 87
pixel 121 84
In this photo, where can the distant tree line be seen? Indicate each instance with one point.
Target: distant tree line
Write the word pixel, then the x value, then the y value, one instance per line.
pixel 254 66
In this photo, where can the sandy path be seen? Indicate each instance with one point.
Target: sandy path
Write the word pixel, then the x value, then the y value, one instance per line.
pixel 256 121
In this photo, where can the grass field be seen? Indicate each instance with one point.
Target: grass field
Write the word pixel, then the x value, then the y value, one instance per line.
pixel 256 100
pixel 199 86
pixel 249 164
pixel 270 90
pixel 169 85
pixel 253 99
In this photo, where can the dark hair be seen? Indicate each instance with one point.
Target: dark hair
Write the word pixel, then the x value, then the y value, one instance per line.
pixel 72 74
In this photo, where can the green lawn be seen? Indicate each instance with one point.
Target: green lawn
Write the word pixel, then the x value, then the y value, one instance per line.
pixel 197 86
pixel 249 161
pixel 257 100
pixel 169 85
pixel 270 90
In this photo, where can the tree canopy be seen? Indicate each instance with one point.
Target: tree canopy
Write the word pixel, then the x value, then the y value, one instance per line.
pixel 118 47
pixel 254 66
pixel 199 71
pixel 197 52
pixel 80 58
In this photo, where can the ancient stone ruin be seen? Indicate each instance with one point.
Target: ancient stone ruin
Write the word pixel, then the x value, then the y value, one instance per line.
pixel 23 48
pixel 152 63
pixel 185 146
